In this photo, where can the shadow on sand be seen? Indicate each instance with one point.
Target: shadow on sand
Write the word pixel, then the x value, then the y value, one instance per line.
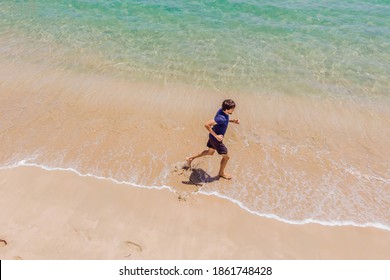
pixel 199 177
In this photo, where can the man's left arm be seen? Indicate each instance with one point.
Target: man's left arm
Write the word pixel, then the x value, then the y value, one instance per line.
pixel 236 121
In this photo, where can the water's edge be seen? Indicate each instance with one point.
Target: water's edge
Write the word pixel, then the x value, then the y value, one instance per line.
pixel 171 189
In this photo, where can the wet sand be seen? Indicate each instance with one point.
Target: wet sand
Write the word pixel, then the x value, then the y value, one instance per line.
pixel 61 215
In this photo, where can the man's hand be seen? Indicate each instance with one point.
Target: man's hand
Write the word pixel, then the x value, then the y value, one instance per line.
pixel 236 121
pixel 219 138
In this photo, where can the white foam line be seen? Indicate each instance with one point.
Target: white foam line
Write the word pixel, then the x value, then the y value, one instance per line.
pixel 237 202
pixel 47 168
pixel 295 222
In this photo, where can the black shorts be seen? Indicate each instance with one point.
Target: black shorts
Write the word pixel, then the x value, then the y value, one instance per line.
pixel 216 145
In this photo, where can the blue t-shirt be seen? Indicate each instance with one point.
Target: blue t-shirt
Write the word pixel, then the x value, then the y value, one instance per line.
pixel 222 121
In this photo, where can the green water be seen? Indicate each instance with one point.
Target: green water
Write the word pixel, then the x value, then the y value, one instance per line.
pixel 293 47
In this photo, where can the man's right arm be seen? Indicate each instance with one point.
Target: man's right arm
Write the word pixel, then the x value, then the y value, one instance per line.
pixel 209 126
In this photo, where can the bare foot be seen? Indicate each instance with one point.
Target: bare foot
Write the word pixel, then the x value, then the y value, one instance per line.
pixel 225 176
pixel 189 160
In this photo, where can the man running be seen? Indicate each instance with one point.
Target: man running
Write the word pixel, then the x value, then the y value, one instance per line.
pixel 217 128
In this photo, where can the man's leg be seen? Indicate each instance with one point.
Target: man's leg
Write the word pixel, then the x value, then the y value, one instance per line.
pixel 224 161
pixel 208 152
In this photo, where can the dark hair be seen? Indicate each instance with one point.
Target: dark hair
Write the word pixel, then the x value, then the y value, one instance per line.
pixel 228 104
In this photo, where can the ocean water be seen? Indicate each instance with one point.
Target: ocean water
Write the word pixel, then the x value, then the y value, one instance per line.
pixel 106 88
pixel 310 46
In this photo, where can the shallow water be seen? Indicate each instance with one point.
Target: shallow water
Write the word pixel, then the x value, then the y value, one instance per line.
pixel 294 47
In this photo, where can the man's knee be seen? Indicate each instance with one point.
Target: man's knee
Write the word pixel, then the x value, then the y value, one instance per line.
pixel 226 156
pixel 210 152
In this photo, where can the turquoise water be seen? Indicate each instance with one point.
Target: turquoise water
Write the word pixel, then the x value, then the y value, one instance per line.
pixel 293 47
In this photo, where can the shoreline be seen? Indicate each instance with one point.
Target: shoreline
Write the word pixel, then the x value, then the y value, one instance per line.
pixel 101 104
pixel 180 192
pixel 60 215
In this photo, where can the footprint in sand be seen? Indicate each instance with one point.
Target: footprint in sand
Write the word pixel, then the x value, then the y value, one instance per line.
pixel 186 196
pixel 180 170
pixel 3 243
pixel 182 197
pixel 133 248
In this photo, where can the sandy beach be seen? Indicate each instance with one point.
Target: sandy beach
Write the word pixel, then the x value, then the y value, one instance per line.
pixel 64 119
pixel 61 215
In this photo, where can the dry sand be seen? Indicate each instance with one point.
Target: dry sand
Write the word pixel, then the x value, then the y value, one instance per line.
pixel 61 215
